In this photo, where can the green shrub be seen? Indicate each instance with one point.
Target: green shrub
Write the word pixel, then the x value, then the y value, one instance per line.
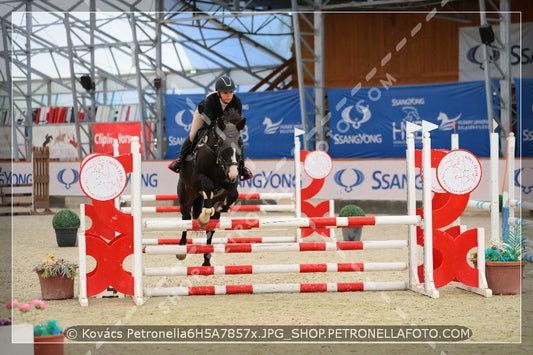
pixel 66 219
pixel 351 211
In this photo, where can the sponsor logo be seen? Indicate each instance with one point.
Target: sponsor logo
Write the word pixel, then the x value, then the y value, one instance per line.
pixel 174 141
pixel 524 174
pixel 68 178
pixel 344 125
pixel 269 180
pixel 102 139
pixel 447 124
pixel 518 56
pixel 349 179
pixel 476 57
pixel 347 122
pixel 274 127
pixel 271 127
pixel 179 119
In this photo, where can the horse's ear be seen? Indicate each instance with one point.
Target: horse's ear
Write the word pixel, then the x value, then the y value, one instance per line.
pixel 241 124
pixel 221 124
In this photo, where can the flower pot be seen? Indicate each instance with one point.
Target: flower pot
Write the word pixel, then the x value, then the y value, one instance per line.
pixel 49 344
pixel 352 234
pixel 504 277
pixel 66 237
pixel 55 287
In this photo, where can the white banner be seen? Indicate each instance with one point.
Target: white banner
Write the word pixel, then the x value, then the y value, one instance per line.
pixel 376 179
pixel 61 139
pixel 471 52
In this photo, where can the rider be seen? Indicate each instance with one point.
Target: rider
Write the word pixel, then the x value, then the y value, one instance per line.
pixel 206 115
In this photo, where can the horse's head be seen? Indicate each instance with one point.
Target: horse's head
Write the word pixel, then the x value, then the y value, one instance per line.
pixel 230 144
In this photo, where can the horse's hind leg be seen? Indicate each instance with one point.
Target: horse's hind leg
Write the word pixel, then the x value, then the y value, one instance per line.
pixel 207 257
pixel 209 234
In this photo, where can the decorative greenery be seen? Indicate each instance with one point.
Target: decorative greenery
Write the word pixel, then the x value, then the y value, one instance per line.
pixel 49 328
pixel 511 250
pixel 57 267
pixel 66 219
pixel 351 211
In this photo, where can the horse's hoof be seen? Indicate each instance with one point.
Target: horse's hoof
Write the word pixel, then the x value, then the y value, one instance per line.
pixel 203 219
pixel 206 263
pixel 181 256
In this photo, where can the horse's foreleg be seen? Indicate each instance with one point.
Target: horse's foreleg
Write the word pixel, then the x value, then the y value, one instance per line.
pixel 183 241
pixel 207 257
pixel 207 210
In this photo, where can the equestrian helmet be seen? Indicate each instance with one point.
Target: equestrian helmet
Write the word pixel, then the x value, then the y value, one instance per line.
pixel 225 84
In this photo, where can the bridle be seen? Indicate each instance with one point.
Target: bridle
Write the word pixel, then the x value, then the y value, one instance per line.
pixel 219 137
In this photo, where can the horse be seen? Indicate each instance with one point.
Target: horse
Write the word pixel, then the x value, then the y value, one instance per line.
pixel 208 178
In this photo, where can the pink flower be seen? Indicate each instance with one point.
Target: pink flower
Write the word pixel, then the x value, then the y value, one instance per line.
pixel 38 304
pixel 12 304
pixel 24 307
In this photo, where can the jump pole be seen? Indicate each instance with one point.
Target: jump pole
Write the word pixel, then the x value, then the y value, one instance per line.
pixel 272 247
pixel 164 224
pixel 221 240
pixel 277 288
pixel 271 269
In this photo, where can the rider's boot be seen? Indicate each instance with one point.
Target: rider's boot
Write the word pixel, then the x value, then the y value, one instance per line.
pixel 186 149
pixel 244 172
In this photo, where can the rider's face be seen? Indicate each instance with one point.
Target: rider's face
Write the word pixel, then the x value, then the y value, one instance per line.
pixel 226 97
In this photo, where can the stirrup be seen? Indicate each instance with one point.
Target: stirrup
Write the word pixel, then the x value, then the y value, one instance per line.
pixel 246 174
pixel 175 165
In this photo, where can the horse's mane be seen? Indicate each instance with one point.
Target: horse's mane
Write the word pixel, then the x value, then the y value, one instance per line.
pixel 231 116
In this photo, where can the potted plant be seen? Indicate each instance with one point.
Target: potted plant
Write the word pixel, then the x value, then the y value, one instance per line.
pixel 48 338
pixel 66 223
pixel 503 263
pixel 56 277
pixel 351 234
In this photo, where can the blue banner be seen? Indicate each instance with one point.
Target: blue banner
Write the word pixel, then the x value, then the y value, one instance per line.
pixel 524 99
pixel 370 122
pixel 270 120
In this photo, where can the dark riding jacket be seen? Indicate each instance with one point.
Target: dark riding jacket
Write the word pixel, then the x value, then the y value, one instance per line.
pixel 212 107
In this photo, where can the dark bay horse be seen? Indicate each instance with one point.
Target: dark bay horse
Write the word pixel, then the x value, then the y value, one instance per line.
pixel 208 179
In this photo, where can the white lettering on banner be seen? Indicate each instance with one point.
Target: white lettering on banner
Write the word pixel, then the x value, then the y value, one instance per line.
pixel 361 138
pixel 173 141
pixel 527 135
pixel 408 101
pixel 102 139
